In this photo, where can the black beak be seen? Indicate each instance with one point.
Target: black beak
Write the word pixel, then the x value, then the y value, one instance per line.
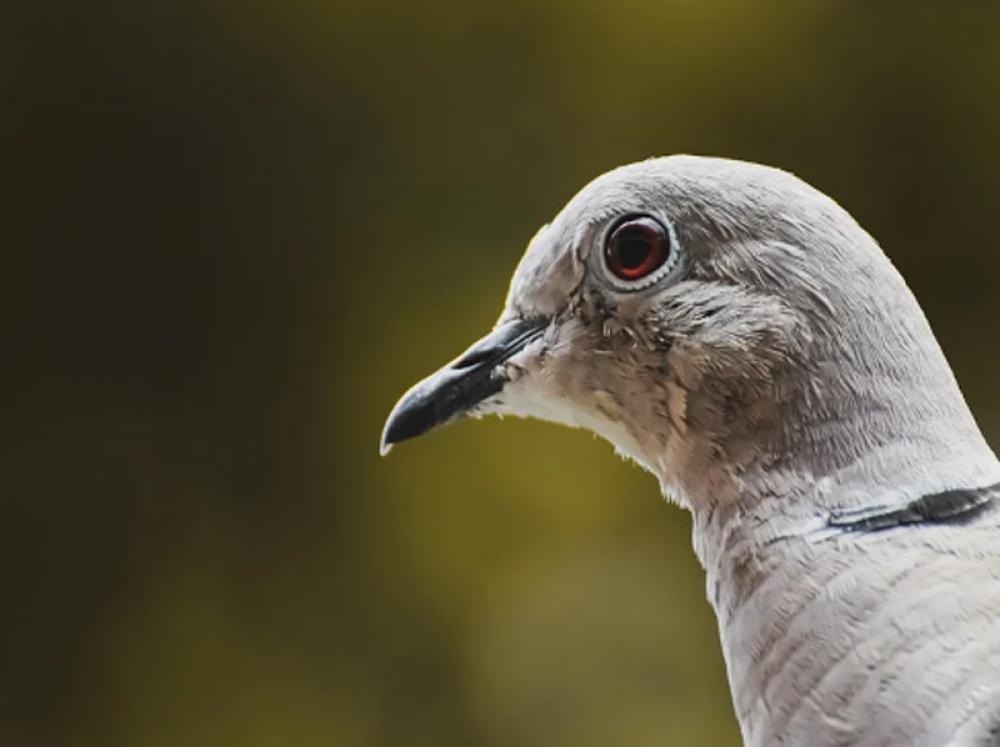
pixel 453 390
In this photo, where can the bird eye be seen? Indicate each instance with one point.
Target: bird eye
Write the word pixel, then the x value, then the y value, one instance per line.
pixel 636 248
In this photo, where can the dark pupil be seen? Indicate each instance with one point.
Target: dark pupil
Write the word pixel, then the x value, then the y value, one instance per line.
pixel 633 248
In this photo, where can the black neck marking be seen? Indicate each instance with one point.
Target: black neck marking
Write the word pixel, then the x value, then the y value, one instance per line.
pixel 949 507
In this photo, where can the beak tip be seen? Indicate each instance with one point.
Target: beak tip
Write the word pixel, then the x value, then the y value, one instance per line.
pixel 390 435
pixel 411 417
pixel 386 441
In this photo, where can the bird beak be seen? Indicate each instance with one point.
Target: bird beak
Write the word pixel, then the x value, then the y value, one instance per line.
pixel 472 378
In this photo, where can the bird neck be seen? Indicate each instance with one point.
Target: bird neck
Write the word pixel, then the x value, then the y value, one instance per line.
pixel 864 456
pixel 765 494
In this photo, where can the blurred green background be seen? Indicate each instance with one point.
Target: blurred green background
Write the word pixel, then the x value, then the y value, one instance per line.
pixel 233 233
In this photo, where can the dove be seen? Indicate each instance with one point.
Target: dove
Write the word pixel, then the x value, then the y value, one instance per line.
pixel 736 333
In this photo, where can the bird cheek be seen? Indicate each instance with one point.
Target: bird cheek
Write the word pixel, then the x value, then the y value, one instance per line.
pixel 526 369
pixel 677 406
pixel 632 307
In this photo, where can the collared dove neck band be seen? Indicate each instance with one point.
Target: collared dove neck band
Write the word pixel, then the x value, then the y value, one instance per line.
pixel 738 334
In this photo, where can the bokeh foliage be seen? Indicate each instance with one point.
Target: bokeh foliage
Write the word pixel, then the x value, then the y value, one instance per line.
pixel 234 232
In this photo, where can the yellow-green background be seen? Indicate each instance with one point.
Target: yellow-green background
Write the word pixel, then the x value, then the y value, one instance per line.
pixel 233 233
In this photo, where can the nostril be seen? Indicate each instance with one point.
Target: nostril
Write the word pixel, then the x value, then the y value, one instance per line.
pixel 503 342
pixel 474 358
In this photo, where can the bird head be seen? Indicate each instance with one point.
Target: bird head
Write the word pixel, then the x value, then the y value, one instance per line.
pixel 719 322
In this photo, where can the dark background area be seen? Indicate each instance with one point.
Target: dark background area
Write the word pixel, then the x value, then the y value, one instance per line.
pixel 233 233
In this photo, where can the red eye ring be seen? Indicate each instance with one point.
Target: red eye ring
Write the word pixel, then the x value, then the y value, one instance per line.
pixel 636 247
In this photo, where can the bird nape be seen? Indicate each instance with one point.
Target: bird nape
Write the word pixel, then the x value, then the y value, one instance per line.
pixel 740 336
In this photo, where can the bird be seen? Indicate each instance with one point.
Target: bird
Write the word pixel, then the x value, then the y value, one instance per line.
pixel 735 332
